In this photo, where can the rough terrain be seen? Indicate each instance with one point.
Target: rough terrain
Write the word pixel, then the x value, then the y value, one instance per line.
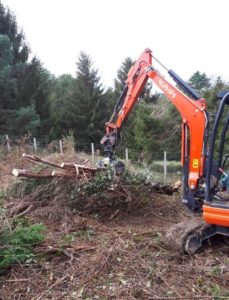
pixel 110 245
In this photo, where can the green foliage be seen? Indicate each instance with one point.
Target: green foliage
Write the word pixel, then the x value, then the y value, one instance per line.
pixel 9 27
pixel 172 166
pixel 25 187
pixel 17 245
pixel 120 80
pixel 27 120
pixel 200 81
pixel 89 108
pixel 81 104
pixel 61 95
pixel 212 104
pixel 151 172
pixel 98 184
pixel 211 94
pixel 23 83
pixel 216 292
pixel 139 175
pixel 6 54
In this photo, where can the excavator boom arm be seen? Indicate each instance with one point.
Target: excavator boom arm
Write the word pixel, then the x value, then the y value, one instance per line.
pixel 192 110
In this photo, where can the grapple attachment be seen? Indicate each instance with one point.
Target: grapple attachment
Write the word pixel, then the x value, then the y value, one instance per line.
pixel 109 142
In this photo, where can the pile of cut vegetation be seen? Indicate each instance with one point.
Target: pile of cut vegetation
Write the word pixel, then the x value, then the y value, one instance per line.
pixel 75 185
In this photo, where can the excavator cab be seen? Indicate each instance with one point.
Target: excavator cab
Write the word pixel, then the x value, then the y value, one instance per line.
pixel 216 203
pixel 215 208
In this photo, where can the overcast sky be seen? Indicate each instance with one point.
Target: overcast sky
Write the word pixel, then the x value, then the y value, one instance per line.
pixel 186 35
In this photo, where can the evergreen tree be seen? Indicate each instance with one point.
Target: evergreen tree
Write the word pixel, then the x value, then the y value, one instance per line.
pixel 87 109
pixel 122 72
pixel 200 81
pixel 211 94
pixel 9 27
pixel 22 87
pixel 60 98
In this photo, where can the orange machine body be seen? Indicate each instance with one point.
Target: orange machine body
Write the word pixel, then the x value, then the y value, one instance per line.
pixel 216 215
pixel 194 123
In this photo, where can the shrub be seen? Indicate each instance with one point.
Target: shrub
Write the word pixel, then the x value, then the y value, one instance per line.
pixel 17 245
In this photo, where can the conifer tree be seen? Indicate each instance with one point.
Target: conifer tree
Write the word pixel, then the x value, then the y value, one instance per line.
pixel 23 87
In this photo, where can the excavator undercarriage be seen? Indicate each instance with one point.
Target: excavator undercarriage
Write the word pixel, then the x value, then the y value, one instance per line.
pixel 188 236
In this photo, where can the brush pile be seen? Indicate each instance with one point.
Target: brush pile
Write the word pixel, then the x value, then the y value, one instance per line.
pixel 79 170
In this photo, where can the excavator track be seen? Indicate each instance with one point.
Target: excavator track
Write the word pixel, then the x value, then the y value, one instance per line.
pixel 188 236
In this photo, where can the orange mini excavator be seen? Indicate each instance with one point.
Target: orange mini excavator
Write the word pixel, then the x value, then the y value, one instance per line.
pixel 203 165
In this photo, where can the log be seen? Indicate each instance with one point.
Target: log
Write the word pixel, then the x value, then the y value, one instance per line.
pixel 63 174
pixel 26 173
pixel 69 170
pixel 29 174
pixel 74 166
pixel 34 158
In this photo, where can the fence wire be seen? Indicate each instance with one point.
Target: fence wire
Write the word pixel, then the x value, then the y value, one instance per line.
pixel 154 161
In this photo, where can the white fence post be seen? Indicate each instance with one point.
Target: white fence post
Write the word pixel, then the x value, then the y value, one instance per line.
pixel 165 166
pixel 61 146
pixel 8 143
pixel 35 144
pixel 93 153
pixel 127 156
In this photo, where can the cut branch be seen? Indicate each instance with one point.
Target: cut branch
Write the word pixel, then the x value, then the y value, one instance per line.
pixel 73 166
pixel 63 174
pixel 34 158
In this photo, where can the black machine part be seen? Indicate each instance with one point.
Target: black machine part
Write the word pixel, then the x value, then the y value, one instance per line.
pixel 109 142
pixel 188 236
pixel 195 240
pixel 210 161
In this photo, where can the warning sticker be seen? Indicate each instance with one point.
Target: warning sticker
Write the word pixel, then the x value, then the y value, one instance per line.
pixel 195 163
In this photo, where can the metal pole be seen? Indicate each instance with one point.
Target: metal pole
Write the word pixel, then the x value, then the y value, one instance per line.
pixel 8 143
pixel 127 157
pixel 165 166
pixel 93 153
pixel 35 144
pixel 61 146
